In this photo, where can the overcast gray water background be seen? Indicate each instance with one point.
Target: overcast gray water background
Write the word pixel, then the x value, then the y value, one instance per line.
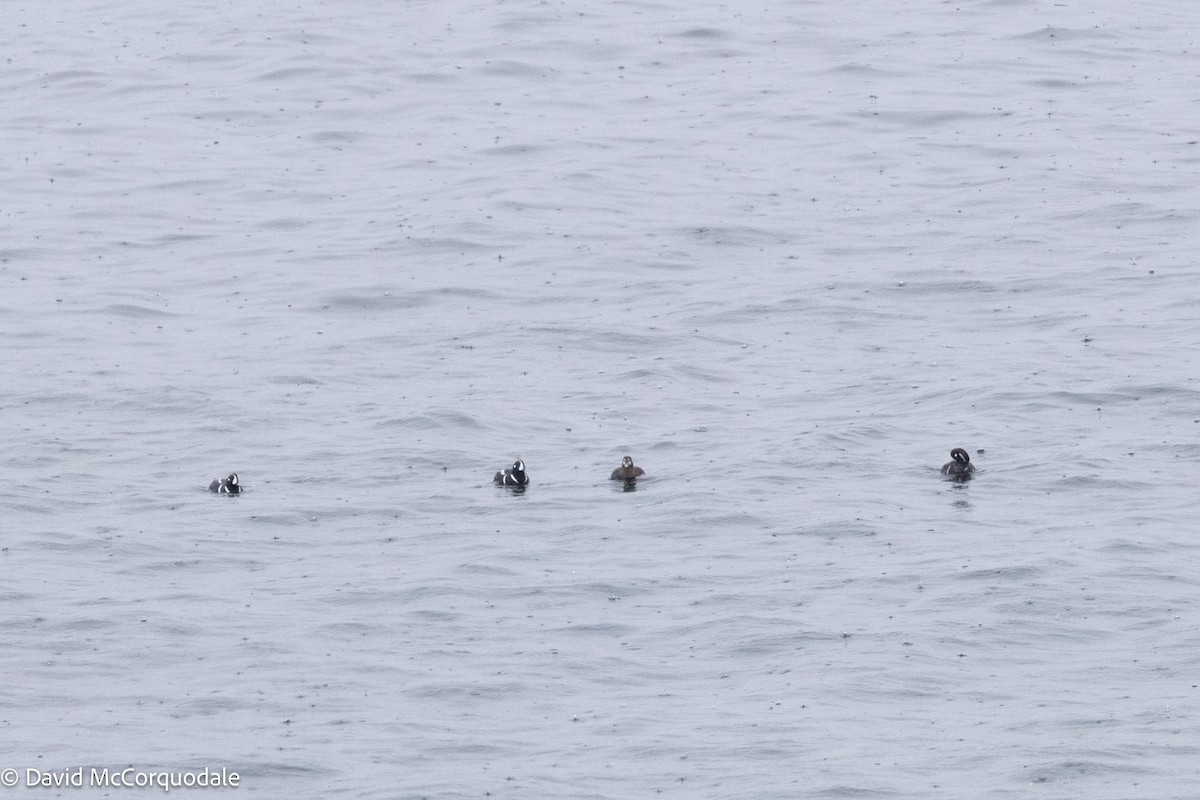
pixel 786 255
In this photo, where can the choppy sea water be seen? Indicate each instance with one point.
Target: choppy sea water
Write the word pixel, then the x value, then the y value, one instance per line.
pixel 786 257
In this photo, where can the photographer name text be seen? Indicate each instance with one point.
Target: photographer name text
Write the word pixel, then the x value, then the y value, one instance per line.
pixel 127 778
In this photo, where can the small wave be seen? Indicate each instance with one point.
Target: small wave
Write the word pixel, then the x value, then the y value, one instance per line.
pixel 134 311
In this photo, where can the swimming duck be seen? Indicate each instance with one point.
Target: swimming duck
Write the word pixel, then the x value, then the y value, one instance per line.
pixel 228 485
pixel 627 471
pixel 961 467
pixel 513 476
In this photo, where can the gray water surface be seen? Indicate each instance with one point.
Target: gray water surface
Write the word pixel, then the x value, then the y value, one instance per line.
pixel 785 256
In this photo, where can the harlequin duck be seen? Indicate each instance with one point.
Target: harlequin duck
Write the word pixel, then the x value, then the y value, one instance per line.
pixel 228 485
pixel 961 467
pixel 627 471
pixel 513 476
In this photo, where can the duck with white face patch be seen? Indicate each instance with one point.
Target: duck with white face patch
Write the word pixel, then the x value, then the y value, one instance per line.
pixel 513 476
pixel 627 471
pixel 230 485
pixel 961 467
